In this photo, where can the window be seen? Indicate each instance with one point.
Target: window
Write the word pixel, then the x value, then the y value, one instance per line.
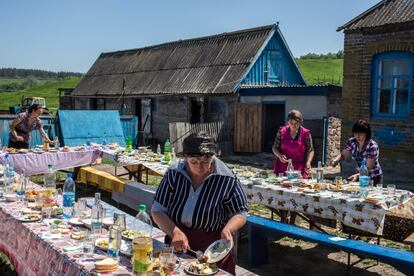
pixel 392 81
pixel 273 66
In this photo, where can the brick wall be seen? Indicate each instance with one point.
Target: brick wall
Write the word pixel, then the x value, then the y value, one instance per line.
pixel 168 109
pixel 395 137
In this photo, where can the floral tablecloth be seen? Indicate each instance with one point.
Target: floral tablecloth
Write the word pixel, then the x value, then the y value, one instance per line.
pixel 33 252
pixel 349 209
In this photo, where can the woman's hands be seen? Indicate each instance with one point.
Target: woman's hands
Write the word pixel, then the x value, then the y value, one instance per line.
pixel 283 158
pixel 19 138
pixel 179 240
pixel 354 177
pixel 308 167
pixel 226 235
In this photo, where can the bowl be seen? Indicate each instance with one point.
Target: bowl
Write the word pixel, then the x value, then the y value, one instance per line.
pixel 10 198
pixel 295 174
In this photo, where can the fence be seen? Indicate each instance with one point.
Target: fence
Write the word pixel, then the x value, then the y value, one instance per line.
pixel 218 130
pixel 51 126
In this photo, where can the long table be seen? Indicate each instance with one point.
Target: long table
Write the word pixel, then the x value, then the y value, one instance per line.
pixel 33 252
pixel 36 163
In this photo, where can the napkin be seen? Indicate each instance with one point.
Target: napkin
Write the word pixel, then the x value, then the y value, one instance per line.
pixel 72 248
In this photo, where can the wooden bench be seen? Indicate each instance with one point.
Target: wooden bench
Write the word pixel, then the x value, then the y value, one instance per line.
pixel 260 229
pixel 102 180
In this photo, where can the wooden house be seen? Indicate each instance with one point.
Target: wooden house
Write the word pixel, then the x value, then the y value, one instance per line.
pixel 378 81
pixel 207 79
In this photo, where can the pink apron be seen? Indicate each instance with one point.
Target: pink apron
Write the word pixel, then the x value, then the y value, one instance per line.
pixel 292 149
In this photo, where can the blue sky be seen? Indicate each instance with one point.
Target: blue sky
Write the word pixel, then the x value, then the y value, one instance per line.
pixel 69 35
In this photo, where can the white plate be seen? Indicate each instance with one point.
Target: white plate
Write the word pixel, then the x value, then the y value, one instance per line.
pixel 75 221
pixel 126 247
pixel 186 270
pixel 218 250
pixel 27 219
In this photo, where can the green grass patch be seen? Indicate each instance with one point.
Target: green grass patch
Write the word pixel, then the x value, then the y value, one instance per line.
pixel 47 90
pixel 321 71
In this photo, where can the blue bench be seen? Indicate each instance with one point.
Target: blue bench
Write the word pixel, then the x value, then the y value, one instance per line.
pixel 260 229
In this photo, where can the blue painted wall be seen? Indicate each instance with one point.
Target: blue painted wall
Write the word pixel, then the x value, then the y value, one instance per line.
pixel 277 62
pixel 129 128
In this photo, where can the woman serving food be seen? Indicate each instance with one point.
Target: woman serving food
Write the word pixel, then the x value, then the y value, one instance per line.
pixel 22 126
pixel 360 147
pixel 200 200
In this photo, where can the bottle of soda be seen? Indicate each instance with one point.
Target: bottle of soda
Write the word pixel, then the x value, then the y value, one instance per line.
pixel 68 196
pixel 49 187
pixel 97 215
pixel 167 150
pixel 128 144
pixel 142 242
pixel 364 179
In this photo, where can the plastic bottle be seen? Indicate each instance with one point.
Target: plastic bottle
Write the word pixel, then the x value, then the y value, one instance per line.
pixel 114 243
pixel 22 187
pixel 142 242
pixel 167 150
pixel 319 172
pixel 49 187
pixel 57 144
pixel 364 179
pixel 289 170
pixel 96 215
pixel 68 196
pixel 128 144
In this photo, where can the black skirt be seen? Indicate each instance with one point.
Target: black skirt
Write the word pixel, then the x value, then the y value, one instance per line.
pixel 18 145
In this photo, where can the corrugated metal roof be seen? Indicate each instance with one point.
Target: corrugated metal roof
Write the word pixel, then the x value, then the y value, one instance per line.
pixel 386 12
pixel 213 64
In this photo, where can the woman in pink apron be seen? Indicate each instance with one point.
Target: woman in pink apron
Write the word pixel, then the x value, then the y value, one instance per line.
pixel 293 142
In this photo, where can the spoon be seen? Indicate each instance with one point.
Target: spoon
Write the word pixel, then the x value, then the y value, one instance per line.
pixel 198 253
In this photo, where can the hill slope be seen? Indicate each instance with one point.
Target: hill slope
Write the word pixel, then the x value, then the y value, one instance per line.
pixel 319 71
pixel 47 90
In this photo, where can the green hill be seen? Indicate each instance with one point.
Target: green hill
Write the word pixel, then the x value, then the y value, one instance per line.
pixel 46 89
pixel 320 71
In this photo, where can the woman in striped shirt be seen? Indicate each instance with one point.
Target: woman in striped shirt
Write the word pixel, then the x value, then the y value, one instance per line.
pixel 200 200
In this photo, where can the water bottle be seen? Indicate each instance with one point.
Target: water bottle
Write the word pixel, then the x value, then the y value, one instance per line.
pixel 167 150
pixel 319 172
pixel 22 187
pixel 364 179
pixel 68 196
pixel 96 215
pixel 114 243
pixel 57 144
pixel 289 170
pixel 142 242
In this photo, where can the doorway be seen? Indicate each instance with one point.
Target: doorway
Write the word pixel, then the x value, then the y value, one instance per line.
pixel 274 118
pixel 195 109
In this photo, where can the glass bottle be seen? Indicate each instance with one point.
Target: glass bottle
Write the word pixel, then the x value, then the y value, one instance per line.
pixel 96 215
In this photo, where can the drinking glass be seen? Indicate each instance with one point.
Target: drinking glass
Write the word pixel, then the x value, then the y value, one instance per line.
pixel 119 219
pixel 379 188
pixel 391 189
pixel 371 185
pixel 89 244
pixel 167 261
pixel 281 174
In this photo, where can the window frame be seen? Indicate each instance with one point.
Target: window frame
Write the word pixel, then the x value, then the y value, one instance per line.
pixel 390 56
pixel 277 78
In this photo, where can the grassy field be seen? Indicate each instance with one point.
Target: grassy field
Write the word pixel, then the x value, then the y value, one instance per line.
pixel 318 71
pixel 46 90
